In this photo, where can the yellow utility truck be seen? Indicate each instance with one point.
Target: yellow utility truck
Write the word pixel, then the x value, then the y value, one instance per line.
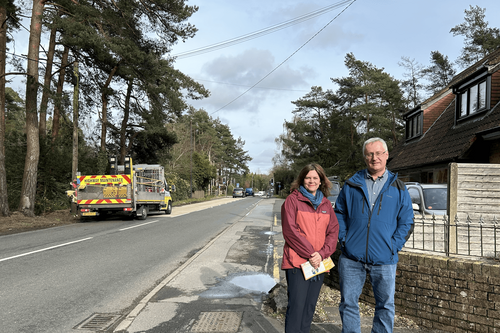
pixel 133 190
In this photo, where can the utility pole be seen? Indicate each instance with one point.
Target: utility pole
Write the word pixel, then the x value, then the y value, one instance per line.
pixel 74 167
pixel 191 135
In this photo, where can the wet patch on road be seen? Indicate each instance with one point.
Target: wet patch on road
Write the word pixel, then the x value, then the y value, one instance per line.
pixel 252 248
pixel 166 293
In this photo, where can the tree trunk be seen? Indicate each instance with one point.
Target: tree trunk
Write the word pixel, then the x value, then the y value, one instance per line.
pixel 104 112
pixel 46 84
pixel 28 191
pixel 123 129
pixel 58 101
pixel 4 204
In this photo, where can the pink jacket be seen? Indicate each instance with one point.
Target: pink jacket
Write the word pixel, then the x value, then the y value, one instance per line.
pixel 307 230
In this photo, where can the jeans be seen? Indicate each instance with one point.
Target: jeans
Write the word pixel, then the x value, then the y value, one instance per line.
pixel 302 297
pixel 352 276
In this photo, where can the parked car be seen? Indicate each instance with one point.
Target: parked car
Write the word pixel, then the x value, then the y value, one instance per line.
pixel 238 192
pixel 334 192
pixel 428 199
pixel 249 191
pixel 260 193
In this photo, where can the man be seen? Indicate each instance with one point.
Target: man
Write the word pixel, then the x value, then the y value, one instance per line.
pixel 375 218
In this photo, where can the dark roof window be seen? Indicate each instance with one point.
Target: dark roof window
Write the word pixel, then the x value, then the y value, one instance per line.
pixel 473 97
pixel 414 125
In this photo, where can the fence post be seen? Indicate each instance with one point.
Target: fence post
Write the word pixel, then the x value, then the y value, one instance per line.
pixel 452 206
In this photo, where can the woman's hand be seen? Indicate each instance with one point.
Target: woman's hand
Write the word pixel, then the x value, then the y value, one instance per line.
pixel 315 260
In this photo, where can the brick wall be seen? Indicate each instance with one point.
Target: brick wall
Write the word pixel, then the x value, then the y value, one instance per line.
pixel 448 294
pixel 434 108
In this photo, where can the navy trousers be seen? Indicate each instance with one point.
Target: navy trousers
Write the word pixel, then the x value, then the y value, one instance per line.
pixel 302 298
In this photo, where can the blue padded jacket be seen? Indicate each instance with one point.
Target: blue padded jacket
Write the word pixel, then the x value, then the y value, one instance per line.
pixel 374 237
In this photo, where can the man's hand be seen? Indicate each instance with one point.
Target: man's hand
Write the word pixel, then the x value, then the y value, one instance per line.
pixel 315 260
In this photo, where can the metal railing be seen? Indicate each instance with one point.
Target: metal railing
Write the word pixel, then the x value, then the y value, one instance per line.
pixel 469 238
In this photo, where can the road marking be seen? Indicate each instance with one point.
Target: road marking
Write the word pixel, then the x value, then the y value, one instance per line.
pixel 129 319
pixel 139 225
pixel 46 249
pixel 276 270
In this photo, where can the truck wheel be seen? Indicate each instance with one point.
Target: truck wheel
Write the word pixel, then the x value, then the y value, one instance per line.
pixel 169 208
pixel 143 211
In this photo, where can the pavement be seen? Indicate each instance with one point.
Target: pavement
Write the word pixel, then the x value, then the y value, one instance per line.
pixel 221 288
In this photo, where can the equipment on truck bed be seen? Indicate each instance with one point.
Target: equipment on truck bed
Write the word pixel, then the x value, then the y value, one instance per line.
pixel 129 189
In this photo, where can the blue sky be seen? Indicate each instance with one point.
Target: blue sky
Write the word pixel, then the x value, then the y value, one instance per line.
pixel 380 32
pixel 376 31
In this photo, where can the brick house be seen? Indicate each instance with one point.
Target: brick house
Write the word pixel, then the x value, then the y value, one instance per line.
pixel 459 124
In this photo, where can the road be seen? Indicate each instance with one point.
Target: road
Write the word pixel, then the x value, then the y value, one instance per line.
pixel 55 279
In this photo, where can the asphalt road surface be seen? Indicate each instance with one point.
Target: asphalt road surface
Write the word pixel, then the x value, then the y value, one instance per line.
pixel 54 279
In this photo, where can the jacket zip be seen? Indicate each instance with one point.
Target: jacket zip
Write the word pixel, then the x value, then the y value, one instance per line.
pixel 381 196
pixel 370 212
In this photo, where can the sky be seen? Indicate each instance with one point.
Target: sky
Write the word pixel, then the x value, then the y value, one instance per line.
pixel 253 83
pixel 287 63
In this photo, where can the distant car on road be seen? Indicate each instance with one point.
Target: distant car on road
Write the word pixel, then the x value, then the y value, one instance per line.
pixel 428 199
pixel 261 193
pixel 249 192
pixel 238 192
pixel 334 192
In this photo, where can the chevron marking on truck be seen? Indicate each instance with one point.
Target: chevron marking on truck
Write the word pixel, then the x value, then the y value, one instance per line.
pixel 103 201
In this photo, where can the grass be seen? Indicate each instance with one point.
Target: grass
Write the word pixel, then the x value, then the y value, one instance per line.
pixel 193 200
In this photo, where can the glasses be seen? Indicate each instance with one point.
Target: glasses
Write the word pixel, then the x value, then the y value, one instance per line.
pixel 376 154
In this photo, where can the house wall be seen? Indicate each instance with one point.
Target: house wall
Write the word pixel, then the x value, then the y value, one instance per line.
pixel 495 152
pixel 428 175
pixel 442 293
pixel 495 88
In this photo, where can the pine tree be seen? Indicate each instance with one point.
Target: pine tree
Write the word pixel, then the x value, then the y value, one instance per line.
pixel 439 73
pixel 480 39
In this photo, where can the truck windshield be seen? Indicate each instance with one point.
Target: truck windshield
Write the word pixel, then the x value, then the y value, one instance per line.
pixel 435 198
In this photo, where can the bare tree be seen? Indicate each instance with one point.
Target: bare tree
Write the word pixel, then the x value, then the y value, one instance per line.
pixel 412 85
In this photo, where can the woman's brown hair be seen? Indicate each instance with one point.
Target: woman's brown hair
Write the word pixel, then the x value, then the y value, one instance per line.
pixel 325 185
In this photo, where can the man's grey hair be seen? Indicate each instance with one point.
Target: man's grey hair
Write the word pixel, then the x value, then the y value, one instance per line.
pixel 374 140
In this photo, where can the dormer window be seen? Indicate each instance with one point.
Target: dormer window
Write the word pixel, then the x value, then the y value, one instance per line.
pixel 473 99
pixel 473 96
pixel 414 123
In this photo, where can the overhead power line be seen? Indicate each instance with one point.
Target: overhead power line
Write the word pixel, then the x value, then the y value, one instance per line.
pixel 241 85
pixel 260 33
pixel 275 68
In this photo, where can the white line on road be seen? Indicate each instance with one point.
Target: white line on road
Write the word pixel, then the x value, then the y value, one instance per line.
pixel 46 249
pixel 139 225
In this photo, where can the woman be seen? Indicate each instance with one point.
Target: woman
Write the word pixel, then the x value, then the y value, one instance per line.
pixel 310 229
